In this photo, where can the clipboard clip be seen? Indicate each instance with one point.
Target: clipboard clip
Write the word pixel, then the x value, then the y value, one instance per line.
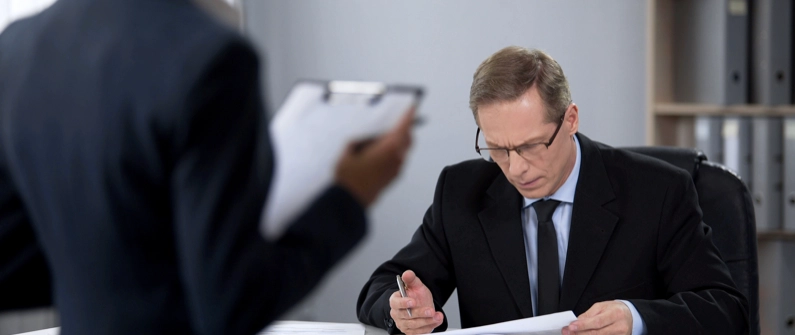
pixel 354 92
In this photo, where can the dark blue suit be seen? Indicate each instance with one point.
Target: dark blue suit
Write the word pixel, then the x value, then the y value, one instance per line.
pixel 134 164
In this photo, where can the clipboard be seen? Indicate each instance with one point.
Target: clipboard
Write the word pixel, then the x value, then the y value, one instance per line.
pixel 311 130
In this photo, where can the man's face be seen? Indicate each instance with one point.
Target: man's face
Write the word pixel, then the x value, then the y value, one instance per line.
pixel 523 121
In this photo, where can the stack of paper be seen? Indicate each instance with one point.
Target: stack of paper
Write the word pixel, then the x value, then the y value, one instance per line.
pixel 541 325
pixel 305 327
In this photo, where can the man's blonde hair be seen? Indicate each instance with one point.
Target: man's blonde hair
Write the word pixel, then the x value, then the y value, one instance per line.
pixel 509 73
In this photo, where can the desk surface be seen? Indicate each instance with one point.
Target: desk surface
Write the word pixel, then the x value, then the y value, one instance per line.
pixel 368 330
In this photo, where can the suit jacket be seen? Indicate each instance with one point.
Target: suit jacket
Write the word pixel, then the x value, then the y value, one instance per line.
pixel 134 165
pixel 636 234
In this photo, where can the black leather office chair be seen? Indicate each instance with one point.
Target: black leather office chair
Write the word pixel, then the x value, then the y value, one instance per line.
pixel 726 204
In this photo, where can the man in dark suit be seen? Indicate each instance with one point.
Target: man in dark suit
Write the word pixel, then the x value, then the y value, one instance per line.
pixel 552 221
pixel 134 165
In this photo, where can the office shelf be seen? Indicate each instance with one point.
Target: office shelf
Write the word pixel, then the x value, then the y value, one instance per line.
pixel 775 235
pixel 670 122
pixel 687 109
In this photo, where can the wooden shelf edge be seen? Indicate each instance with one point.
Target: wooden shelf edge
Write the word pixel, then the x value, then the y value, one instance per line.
pixel 775 235
pixel 687 109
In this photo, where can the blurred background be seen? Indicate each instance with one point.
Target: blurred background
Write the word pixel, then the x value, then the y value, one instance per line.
pixel 640 71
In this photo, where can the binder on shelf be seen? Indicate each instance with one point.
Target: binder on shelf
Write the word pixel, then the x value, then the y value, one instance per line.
pixel 789 137
pixel 711 51
pixel 771 61
pixel 767 170
pixel 709 138
pixel 771 82
pixel 776 292
pixel 737 146
pixel 789 174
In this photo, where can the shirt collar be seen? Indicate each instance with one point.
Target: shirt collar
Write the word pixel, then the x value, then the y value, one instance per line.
pixel 566 191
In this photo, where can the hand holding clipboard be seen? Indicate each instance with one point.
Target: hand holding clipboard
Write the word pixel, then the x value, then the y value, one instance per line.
pixel 355 134
pixel 367 167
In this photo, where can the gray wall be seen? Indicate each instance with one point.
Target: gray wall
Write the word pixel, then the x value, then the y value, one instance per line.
pixel 438 44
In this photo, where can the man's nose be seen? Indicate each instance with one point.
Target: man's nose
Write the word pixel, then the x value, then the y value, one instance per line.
pixel 517 164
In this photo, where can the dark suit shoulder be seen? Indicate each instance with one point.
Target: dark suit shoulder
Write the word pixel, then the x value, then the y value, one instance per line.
pixel 180 44
pixel 155 46
pixel 472 166
pixel 144 60
pixel 465 184
pixel 471 173
pixel 11 35
pixel 12 39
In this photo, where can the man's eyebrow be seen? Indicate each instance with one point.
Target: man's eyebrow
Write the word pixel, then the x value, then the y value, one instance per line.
pixel 532 140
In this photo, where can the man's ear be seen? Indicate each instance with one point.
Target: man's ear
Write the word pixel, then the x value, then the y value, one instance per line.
pixel 572 119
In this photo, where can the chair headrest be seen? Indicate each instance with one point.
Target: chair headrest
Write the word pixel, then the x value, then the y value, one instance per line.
pixel 684 158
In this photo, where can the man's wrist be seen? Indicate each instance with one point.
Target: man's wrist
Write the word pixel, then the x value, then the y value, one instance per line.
pixel 638 325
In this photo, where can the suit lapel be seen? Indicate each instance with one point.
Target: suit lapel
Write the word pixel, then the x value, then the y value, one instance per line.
pixel 502 223
pixel 591 224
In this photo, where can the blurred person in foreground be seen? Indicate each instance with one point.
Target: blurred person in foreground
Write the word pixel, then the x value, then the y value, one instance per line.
pixel 551 221
pixel 134 165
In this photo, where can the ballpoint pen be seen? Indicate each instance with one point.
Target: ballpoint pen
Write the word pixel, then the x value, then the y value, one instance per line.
pixel 402 288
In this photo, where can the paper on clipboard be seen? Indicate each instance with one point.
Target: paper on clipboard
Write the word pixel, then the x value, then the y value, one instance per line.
pixel 310 132
pixel 550 324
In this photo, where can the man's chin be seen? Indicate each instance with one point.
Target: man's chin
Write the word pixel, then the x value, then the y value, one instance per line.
pixel 531 193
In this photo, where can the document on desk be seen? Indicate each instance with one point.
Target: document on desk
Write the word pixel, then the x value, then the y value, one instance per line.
pixel 540 325
pixel 310 132
pixel 305 327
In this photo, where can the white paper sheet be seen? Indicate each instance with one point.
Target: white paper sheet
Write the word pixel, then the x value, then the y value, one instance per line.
pixel 304 327
pixel 49 331
pixel 308 137
pixel 541 325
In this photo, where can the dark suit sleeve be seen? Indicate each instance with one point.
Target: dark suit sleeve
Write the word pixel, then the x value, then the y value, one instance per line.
pixel 428 255
pixel 235 281
pixel 702 298
pixel 24 272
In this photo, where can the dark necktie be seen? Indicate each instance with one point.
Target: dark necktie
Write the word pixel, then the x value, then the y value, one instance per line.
pixel 548 269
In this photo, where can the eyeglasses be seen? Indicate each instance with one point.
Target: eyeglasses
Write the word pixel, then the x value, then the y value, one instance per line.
pixel 530 151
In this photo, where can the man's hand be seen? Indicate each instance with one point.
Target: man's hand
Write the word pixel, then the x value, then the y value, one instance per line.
pixel 366 169
pixel 609 317
pixel 424 317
